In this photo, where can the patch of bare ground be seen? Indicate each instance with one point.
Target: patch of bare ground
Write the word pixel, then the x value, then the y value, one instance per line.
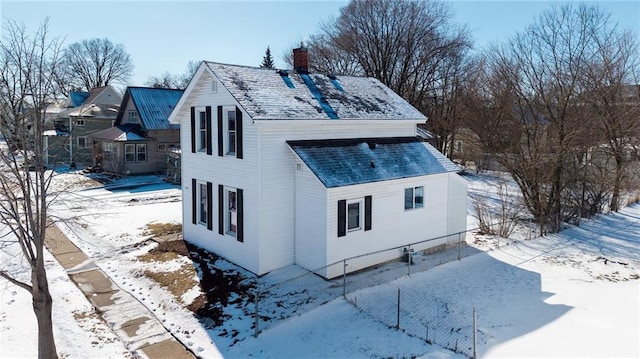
pixel 177 282
pixel 220 287
pixel 162 229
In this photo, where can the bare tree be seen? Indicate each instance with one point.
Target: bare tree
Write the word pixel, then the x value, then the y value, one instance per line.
pixel 529 106
pixel 95 63
pixel 171 81
pixel 613 98
pixel 26 84
pixel 411 46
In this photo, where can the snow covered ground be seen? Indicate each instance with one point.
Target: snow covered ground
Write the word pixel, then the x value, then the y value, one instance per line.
pixel 573 294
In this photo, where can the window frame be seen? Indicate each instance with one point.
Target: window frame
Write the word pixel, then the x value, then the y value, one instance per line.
pixel 202 131
pixel 202 203
pixel 416 200
pixel 136 150
pixel 83 139
pixel 133 116
pixel 129 150
pixel 79 122
pixel 140 146
pixel 230 133
pixel 359 216
pixel 231 211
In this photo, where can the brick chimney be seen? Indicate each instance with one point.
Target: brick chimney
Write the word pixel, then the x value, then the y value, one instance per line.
pixel 301 60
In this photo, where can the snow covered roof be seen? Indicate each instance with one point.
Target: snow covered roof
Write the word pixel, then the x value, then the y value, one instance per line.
pixel 346 162
pixel 91 110
pixel 121 133
pixel 267 94
pixel 154 105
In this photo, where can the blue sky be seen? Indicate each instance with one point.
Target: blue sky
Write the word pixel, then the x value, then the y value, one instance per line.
pixel 163 36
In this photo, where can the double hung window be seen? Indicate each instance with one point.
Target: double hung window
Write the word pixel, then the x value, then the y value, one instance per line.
pixel 202 126
pixel 204 203
pixel 354 215
pixel 135 152
pixel 231 132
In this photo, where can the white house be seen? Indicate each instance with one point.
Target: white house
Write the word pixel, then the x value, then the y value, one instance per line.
pixel 286 167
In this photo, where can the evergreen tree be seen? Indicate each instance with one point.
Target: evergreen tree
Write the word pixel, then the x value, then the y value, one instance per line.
pixel 267 60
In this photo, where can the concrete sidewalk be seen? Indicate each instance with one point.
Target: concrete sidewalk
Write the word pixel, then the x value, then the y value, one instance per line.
pixel 134 324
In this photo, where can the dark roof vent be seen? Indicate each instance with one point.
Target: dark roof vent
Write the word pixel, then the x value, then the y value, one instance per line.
pixel 373 164
pixel 285 77
pixel 334 81
pixel 372 145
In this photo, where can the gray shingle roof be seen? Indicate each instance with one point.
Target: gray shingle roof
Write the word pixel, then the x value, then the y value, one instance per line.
pixel 121 133
pixel 265 94
pixel 346 162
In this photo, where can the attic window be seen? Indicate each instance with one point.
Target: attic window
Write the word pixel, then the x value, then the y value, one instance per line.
pixel 334 81
pixel 285 77
pixel 214 86
pixel 133 116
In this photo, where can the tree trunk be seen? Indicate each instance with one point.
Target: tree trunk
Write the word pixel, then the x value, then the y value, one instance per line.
pixel 615 197
pixel 42 307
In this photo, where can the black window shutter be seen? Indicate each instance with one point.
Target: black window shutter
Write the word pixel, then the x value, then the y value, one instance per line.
pixel 221 209
pixel 367 213
pixel 240 213
pixel 238 133
pixel 193 130
pixel 220 137
pixel 208 117
pixel 209 205
pixel 194 200
pixel 342 217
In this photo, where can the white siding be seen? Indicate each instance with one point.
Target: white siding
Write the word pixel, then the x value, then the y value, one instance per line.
pixel 392 225
pixel 277 175
pixel 228 171
pixel 273 235
pixel 310 219
pixel 457 205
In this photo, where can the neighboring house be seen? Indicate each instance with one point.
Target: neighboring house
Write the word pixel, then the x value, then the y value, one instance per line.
pixel 142 137
pixel 283 167
pixel 68 130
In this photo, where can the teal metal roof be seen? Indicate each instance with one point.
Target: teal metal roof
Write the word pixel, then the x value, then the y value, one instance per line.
pixel 78 98
pixel 154 105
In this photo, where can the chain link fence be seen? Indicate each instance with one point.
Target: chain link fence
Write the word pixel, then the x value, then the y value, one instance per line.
pixel 420 315
pixel 369 288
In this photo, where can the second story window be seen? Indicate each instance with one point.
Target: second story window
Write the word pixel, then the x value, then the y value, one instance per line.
pixel 79 122
pixel 231 132
pixel 229 120
pixel 202 128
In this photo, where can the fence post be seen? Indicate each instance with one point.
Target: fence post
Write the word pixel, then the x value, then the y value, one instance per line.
pixel 344 278
pixel 459 245
pixel 257 315
pixel 398 318
pixel 475 330
pixel 409 261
